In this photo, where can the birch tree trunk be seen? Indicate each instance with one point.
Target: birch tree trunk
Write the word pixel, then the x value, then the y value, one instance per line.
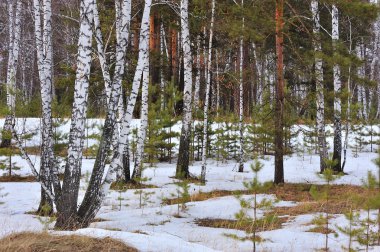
pixel 144 123
pixel 318 68
pixel 182 169
pixel 67 209
pixel 207 98
pixel 43 36
pixel 362 101
pixel 14 20
pixel 162 77
pixel 197 75
pixel 279 109
pixel 337 155
pixel 97 188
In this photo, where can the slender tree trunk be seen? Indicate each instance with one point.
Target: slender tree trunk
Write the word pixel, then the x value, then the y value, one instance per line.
pixel 144 123
pixel 319 87
pixel 279 109
pixel 162 75
pixel 182 169
pixel 207 97
pixel 241 98
pixel 43 34
pixel 348 111
pixel 14 48
pixel 197 75
pixel 337 155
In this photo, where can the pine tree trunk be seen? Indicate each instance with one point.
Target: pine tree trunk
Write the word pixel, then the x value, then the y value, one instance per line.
pixel 182 169
pixel 320 120
pixel 279 109
pixel 337 154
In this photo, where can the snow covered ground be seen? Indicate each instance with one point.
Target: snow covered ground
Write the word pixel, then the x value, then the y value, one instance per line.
pixel 155 227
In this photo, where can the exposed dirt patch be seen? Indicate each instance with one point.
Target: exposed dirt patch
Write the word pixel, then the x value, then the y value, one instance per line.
pixel 38 242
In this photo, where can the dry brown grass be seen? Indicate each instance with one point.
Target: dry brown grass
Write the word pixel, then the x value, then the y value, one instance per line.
pixel 321 230
pixel 120 185
pixel 38 242
pixel 261 224
pixel 16 178
pixel 342 198
pixel 202 196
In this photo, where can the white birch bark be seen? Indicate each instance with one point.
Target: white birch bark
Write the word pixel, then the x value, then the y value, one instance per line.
pixel 207 98
pixel 143 124
pixel 197 75
pixel 43 37
pixel 14 20
pixel 320 120
pixel 362 99
pixel 70 186
pixel 94 203
pixel 183 156
pixel 162 78
pixel 93 197
pixel 337 92
pixel 101 53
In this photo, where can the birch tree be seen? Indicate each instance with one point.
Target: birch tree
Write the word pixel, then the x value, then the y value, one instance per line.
pixel 182 169
pixel 67 209
pixel 337 155
pixel 320 102
pixel 197 75
pixel 98 187
pixel 14 29
pixel 143 124
pixel 43 37
pixel 207 97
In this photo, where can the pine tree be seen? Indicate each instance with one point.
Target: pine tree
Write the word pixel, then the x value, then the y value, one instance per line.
pixel 328 176
pixel 254 187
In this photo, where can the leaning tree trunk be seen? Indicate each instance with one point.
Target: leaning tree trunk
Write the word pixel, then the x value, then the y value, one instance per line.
pixel 14 20
pixel 67 208
pixel 182 169
pixel 279 107
pixel 97 188
pixel 320 120
pixel 337 154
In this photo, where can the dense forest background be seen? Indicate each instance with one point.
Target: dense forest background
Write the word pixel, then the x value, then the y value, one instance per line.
pixel 358 26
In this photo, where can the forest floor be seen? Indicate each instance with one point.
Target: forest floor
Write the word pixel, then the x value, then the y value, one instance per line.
pixel 159 218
